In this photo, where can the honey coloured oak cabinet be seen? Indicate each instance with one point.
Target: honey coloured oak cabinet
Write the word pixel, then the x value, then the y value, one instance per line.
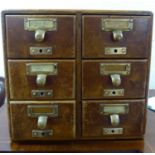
pixel 77 75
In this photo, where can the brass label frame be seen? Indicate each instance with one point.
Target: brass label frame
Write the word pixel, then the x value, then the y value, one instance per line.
pixel 42 110
pixel 107 109
pixel 47 24
pixel 41 68
pixel 110 24
pixel 115 68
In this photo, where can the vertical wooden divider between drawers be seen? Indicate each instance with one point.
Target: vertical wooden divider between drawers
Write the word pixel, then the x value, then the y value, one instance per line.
pixel 78 77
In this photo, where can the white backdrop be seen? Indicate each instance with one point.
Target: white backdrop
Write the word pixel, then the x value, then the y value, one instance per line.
pixel 147 5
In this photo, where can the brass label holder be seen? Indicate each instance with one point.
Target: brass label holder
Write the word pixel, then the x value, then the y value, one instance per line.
pixel 46 110
pixel 40 26
pixel 41 70
pixel 115 70
pixel 42 112
pixel 107 109
pixel 117 26
pixel 114 111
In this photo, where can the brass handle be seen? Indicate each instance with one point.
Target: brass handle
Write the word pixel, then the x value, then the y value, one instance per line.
pixel 114 118
pixel 40 35
pixel 117 26
pixel 41 70
pixel 116 79
pixel 41 79
pixel 42 121
pixel 117 35
pixel 42 112
pixel 40 26
pixel 114 111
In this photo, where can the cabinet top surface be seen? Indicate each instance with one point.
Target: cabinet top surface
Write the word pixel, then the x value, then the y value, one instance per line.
pixel 106 12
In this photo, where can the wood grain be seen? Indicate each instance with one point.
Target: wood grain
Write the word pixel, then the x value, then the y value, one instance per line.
pixel 62 40
pixel 62 125
pixel 94 119
pixel 72 43
pixel 95 40
pixel 62 84
pixel 147 145
pixel 94 83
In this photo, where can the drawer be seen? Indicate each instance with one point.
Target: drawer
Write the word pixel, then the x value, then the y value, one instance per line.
pixel 40 36
pixel 41 79
pixel 115 118
pixel 116 36
pixel 44 120
pixel 114 79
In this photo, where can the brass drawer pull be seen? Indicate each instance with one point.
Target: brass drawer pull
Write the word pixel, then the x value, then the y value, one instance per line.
pixel 42 112
pixel 41 70
pixel 114 111
pixel 117 26
pixel 116 79
pixel 42 121
pixel 115 120
pixel 40 26
pixel 117 35
pixel 41 79
pixel 39 35
pixel 115 70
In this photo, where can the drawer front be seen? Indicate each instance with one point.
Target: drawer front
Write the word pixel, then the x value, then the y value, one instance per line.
pixel 103 119
pixel 116 36
pixel 41 79
pixel 114 79
pixel 42 120
pixel 56 34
